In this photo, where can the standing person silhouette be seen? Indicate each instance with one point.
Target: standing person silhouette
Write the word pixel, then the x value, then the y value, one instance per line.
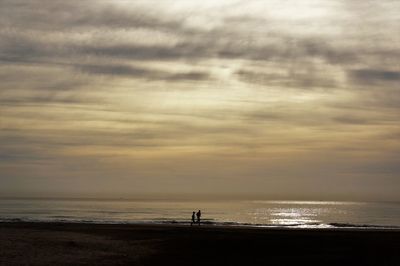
pixel 198 214
pixel 193 218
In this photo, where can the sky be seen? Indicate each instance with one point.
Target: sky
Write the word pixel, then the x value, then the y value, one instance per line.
pixel 288 99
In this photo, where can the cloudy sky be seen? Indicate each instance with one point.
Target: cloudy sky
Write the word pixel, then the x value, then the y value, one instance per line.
pixel 292 99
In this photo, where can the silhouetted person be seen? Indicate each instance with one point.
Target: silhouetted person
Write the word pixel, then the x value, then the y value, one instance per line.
pixel 193 218
pixel 198 214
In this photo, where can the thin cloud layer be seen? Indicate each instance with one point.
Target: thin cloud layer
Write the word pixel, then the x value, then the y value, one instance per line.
pixel 231 97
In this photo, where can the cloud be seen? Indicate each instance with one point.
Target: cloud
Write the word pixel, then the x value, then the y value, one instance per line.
pixel 119 70
pixel 23 43
pixel 365 76
pixel 148 52
pixel 68 33
pixel 268 84
pixel 56 15
pixel 352 120
pixel 307 80
pixel 143 73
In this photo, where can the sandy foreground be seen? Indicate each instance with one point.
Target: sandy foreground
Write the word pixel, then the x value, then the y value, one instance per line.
pixel 102 244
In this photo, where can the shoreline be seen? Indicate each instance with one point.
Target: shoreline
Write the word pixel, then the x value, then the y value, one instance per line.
pixel 27 243
pixel 313 226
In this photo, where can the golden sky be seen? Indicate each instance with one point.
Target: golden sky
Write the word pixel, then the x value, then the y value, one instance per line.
pixel 295 99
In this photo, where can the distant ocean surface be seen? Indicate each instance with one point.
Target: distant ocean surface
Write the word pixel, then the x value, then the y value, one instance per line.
pixel 296 214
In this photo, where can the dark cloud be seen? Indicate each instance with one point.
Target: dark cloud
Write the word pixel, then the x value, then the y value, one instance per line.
pixel 119 70
pixel 352 120
pixel 56 15
pixel 18 47
pixel 219 42
pixel 293 78
pixel 150 52
pixel 325 49
pixel 137 72
pixel 189 76
pixel 48 98
pixel 225 45
pixel 365 76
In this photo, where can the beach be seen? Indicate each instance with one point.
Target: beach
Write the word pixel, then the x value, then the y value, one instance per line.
pixel 24 243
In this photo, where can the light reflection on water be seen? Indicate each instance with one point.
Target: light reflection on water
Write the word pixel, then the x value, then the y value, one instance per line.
pixel 289 216
pixel 301 202
pixel 272 213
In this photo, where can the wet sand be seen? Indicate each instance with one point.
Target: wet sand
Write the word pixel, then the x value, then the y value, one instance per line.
pixel 89 244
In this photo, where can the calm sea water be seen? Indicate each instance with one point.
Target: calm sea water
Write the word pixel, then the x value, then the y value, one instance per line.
pixel 309 214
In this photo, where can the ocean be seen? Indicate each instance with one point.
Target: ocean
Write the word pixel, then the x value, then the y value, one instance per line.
pixel 261 213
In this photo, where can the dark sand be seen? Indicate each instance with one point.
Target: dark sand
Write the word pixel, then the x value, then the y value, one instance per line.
pixel 88 244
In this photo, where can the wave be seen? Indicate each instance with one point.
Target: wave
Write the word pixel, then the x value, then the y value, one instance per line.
pixel 349 225
pixel 209 222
